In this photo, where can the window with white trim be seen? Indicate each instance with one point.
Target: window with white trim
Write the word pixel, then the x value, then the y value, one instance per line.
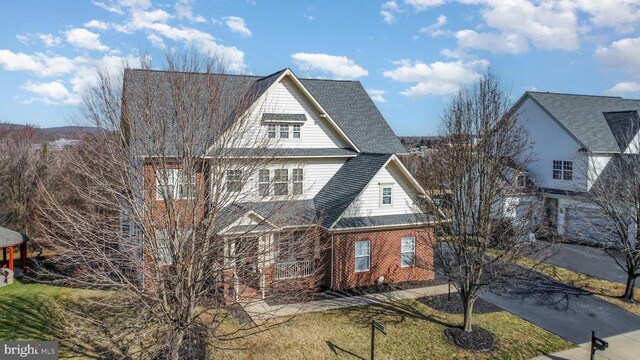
pixel 407 251
pixel 386 193
pixel 298 182
pixel 522 180
pixel 164 251
pixel 562 170
pixel 234 180
pixel 363 255
pixel 296 131
pixel 178 184
pixel 271 131
pixel 281 182
pixel 284 131
pixel 263 182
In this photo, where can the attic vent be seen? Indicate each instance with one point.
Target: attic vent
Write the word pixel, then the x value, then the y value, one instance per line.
pixel 273 117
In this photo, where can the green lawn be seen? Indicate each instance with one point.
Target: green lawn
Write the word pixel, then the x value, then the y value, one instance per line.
pixel 415 331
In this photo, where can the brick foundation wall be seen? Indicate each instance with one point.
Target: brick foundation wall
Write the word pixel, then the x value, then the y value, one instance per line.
pixel 385 258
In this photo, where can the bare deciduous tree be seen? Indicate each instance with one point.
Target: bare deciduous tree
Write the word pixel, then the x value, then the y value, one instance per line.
pixel 154 219
pixel 476 176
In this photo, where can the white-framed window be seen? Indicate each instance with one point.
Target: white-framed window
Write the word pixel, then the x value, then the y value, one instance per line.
pixel 522 180
pixel 281 182
pixel 386 195
pixel 298 182
pixel 296 131
pixel 562 170
pixel 234 180
pixel 284 131
pixel 407 251
pixel 271 131
pixel 263 182
pixel 179 184
pixel 164 251
pixel 363 255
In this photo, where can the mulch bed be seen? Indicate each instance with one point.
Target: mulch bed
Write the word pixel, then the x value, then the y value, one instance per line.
pixel 363 290
pixel 453 304
pixel 478 339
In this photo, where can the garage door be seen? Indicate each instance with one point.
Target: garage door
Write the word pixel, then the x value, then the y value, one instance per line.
pixel 584 224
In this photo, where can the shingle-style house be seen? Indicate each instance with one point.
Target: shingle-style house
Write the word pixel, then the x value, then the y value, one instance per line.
pixel 577 139
pixel 339 160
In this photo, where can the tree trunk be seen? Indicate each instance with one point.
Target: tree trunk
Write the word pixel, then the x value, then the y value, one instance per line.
pixel 468 313
pixel 631 285
pixel 175 344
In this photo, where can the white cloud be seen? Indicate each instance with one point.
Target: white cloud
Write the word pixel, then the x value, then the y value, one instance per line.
pixel 84 38
pixel 97 24
pixel 389 10
pixel 623 88
pixel 438 78
pixel 623 54
pixel 621 15
pixel 339 67
pixel 421 5
pixel 156 41
pixel 47 40
pixel 184 9
pixel 38 63
pixel 53 93
pixel 435 29
pixel 236 24
pixel 494 42
pixel 377 95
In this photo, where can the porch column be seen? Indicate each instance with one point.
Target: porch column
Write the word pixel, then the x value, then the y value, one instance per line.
pixel 23 256
pixel 11 258
pixel 4 254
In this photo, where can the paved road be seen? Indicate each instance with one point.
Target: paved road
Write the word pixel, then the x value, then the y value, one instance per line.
pixel 562 310
pixel 586 260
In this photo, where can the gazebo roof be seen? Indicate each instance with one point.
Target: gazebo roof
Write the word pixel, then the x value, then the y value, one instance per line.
pixel 11 238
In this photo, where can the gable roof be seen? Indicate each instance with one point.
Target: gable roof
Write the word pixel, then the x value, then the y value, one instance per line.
pixel 11 238
pixel 582 116
pixel 346 103
pixel 347 183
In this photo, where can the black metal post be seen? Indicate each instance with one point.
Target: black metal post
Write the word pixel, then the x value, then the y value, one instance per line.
pixel 593 347
pixel 449 294
pixel 373 339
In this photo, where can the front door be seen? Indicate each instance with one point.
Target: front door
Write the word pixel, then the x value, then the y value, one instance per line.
pixel 247 253
pixel 551 212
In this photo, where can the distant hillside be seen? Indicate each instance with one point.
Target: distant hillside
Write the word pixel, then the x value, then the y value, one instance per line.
pixel 417 141
pixel 56 133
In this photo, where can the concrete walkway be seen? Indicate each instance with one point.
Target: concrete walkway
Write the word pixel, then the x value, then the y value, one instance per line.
pixel 260 311
pixel 621 347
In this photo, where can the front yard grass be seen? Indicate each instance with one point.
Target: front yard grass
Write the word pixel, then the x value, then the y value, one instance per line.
pixel 607 290
pixel 414 331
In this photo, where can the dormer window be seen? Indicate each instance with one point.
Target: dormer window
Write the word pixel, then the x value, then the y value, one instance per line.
pixel 297 131
pixel 284 131
pixel 284 126
pixel 271 131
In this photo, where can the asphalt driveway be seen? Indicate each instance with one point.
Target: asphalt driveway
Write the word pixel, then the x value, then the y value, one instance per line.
pixel 563 310
pixel 584 259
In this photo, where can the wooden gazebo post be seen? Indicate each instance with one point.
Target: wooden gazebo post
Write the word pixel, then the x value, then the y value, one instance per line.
pixel 11 258
pixel 23 256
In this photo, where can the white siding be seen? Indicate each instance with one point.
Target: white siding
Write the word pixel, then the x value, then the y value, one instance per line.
pixel 286 98
pixel 368 203
pixel 551 142
pixel 317 172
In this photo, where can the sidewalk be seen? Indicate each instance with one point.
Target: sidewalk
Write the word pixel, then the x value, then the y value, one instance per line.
pixel 621 347
pixel 260 311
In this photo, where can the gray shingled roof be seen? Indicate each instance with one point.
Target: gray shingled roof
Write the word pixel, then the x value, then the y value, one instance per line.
pixel 283 117
pixel 286 152
pixel 10 237
pixel 347 103
pixel 610 178
pixel 583 116
pixel 343 188
pixel 383 220
pixel 624 126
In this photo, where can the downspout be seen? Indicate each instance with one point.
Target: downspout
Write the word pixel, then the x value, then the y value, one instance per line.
pixel 331 261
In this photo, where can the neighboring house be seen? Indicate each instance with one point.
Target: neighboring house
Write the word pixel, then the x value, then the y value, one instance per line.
pixel 575 138
pixel 337 156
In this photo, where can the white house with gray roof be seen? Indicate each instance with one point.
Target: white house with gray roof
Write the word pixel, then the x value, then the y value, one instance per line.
pixel 574 139
pixel 335 160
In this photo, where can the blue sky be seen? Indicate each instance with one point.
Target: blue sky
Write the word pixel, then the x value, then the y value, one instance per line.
pixel 411 55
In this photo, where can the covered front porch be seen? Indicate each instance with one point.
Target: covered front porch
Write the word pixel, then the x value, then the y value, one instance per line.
pixel 259 263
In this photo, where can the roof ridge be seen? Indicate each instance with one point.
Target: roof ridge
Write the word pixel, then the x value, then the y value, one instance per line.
pixel 570 94
pixel 191 72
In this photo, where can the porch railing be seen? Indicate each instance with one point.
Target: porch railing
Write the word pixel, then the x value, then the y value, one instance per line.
pixel 294 269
